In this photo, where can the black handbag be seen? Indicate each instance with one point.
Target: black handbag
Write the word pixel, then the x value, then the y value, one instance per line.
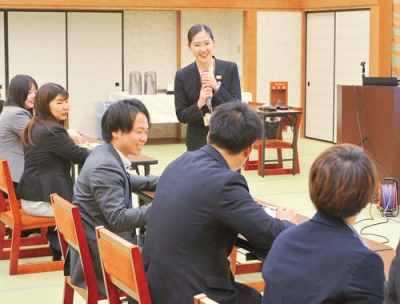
pixel 271 129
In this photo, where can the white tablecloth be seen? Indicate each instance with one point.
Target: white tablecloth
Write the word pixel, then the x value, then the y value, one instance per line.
pixel 160 107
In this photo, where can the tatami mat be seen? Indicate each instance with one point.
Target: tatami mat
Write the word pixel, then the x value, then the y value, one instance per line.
pixel 283 190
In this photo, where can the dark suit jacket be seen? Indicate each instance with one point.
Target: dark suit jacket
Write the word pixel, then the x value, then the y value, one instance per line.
pixel 187 90
pixel 198 210
pixel 103 194
pixel 392 295
pixel 48 163
pixel 322 261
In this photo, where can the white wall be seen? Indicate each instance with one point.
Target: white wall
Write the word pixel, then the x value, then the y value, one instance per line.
pixel 279 53
pixel 37 46
pixel 94 65
pixel 150 45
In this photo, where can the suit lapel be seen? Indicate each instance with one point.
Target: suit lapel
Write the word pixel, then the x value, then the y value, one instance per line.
pixel 127 186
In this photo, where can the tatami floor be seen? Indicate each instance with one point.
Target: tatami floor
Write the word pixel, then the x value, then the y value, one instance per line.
pixel 284 190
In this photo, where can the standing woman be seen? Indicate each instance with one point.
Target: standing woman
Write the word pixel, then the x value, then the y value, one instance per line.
pixel 15 116
pixel 203 85
pixel 48 151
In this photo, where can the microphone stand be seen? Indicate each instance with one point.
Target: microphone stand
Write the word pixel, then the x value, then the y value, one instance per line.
pixel 363 68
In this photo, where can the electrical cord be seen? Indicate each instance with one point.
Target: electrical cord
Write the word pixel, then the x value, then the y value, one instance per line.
pixel 358 118
pixel 371 218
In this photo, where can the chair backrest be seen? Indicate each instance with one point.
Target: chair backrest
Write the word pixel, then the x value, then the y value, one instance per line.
pixel 203 299
pixel 70 232
pixel 207 300
pixel 122 267
pixel 6 186
pixel 255 103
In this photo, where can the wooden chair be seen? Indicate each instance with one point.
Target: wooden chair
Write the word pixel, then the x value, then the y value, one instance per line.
pixel 17 220
pixel 203 299
pixel 278 144
pixel 70 232
pixel 122 267
pixel 247 268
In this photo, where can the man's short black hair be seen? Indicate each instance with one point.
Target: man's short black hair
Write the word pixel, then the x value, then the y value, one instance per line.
pixel 120 116
pixel 234 126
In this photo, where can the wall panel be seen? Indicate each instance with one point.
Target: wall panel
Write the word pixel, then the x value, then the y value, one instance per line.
pixel 337 43
pixel 37 46
pixel 279 53
pixel 320 86
pixel 150 40
pixel 94 65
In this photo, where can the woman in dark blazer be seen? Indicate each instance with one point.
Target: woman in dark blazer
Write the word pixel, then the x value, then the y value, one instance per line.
pixel 203 85
pixel 325 260
pixel 48 152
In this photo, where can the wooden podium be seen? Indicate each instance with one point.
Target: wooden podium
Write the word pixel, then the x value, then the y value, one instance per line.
pixel 370 116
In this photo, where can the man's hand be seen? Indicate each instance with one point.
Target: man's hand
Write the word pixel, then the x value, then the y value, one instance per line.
pixel 287 214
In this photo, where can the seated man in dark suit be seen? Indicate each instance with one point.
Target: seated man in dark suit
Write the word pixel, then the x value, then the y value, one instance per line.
pixel 103 190
pixel 201 205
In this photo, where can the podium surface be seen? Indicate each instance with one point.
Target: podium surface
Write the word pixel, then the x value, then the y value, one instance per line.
pixel 369 116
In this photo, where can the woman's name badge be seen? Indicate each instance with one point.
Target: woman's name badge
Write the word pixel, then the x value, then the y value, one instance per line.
pixel 207 118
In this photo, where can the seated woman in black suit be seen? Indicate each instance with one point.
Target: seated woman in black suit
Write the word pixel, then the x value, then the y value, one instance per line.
pixel 48 151
pixel 325 260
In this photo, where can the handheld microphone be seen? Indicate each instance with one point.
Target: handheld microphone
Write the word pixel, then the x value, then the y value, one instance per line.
pixel 208 101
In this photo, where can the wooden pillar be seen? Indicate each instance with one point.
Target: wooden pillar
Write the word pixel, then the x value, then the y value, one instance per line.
pixel 381 39
pixel 250 51
pixel 178 40
pixel 178 58
pixel 385 24
pixel 303 71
